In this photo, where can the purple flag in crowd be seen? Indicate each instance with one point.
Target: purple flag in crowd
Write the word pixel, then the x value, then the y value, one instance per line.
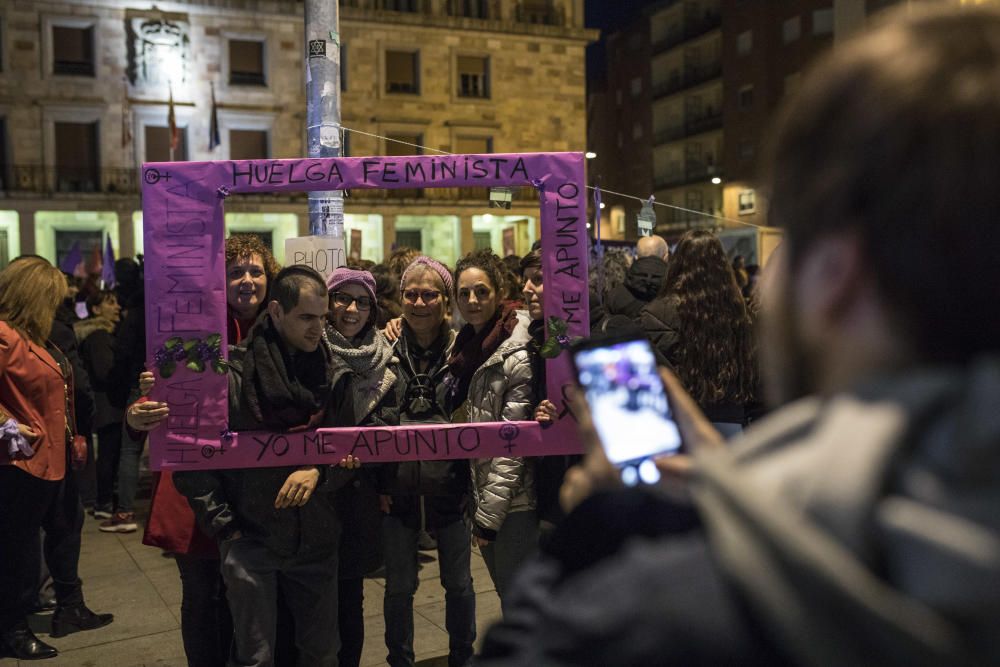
pixel 72 259
pixel 108 268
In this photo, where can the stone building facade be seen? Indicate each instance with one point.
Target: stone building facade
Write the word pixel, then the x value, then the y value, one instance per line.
pixel 85 90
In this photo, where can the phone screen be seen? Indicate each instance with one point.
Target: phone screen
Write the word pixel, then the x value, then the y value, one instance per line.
pixel 629 407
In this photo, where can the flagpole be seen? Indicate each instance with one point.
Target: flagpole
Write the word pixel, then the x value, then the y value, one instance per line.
pixel 171 122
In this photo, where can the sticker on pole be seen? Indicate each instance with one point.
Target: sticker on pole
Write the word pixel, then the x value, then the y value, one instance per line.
pixel 317 48
pixel 647 218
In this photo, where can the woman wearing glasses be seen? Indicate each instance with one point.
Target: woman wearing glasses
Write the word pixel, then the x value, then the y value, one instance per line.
pixel 364 393
pixel 426 494
pixel 491 380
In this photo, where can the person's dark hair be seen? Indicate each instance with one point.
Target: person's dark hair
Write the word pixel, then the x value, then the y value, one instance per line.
pixel 400 259
pixel 486 261
pixel 893 140
pixel 99 298
pixel 533 260
pixel 512 270
pixel 290 282
pixel 386 294
pixel 715 356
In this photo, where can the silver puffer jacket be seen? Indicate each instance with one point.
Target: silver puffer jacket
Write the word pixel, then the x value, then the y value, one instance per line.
pixel 501 390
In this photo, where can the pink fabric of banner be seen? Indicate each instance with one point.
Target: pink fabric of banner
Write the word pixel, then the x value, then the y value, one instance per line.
pixel 184 237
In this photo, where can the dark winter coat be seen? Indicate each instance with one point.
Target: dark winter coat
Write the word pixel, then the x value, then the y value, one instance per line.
pixel 855 529
pixel 228 500
pixel 97 351
pixel 62 337
pixel 642 284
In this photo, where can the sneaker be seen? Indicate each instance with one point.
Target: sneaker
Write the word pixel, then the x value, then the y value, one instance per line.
pixel 121 522
pixel 101 514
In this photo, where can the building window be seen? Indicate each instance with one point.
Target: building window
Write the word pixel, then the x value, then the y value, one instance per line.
pixel 473 9
pixel 76 154
pixel 747 202
pixel 744 42
pixel 73 50
pixel 473 145
pixel 745 97
pixel 402 72
pixel 636 86
pixel 398 5
pixel 410 238
pixel 791 29
pixel 343 66
pixel 4 182
pixel 637 130
pixel 246 63
pixel 473 76
pixel 248 145
pixel 482 240
pixel 823 22
pixel 404 144
pixel 157 141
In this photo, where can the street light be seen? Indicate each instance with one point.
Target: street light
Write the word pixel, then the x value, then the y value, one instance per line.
pixel 590 155
pixel 716 181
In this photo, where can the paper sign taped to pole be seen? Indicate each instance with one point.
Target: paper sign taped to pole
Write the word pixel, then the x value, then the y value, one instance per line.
pixel 323 253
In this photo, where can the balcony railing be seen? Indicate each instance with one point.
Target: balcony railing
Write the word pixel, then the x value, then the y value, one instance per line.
pixel 692 126
pixel 525 11
pixel 37 179
pixel 694 26
pixel 704 123
pixel 693 75
pixel 695 171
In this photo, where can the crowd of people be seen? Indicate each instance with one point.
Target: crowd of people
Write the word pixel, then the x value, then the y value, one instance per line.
pixel 854 523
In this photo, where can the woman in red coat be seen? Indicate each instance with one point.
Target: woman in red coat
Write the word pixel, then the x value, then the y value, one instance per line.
pixel 36 426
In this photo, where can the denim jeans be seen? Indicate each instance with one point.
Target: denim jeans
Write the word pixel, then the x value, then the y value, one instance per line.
pixel 454 543
pixel 128 472
pixel 206 625
pixel 516 540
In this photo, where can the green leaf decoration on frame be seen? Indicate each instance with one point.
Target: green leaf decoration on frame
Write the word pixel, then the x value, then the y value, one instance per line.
pixel 168 368
pixel 196 365
pixel 171 343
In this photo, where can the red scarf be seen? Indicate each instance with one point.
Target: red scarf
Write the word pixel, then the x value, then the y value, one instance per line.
pixel 473 349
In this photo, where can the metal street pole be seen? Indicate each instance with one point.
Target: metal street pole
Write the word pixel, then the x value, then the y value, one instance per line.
pixel 326 209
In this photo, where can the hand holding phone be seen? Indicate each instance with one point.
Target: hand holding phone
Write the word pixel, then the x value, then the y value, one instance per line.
pixel 628 404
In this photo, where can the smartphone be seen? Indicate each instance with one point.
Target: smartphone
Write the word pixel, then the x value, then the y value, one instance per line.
pixel 628 404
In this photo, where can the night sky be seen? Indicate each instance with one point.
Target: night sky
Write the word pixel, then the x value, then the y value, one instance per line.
pixel 608 15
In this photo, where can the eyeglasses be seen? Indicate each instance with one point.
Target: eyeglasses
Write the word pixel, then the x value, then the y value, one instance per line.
pixel 344 299
pixel 428 296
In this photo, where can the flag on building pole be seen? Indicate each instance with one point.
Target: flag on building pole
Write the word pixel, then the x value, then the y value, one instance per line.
pixel 213 125
pixel 175 137
pixel 72 259
pixel 108 270
pixel 126 116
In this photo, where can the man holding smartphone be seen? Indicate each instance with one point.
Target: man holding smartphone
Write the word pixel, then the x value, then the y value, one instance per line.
pixel 857 524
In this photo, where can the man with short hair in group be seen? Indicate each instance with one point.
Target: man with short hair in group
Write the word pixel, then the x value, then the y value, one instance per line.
pixel 859 523
pixel 272 532
pixel 644 279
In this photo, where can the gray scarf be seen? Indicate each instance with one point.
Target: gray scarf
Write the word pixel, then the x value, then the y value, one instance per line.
pixel 368 360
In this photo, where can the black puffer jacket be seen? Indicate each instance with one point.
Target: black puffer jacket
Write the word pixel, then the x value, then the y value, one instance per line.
pixel 228 500
pixel 642 284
